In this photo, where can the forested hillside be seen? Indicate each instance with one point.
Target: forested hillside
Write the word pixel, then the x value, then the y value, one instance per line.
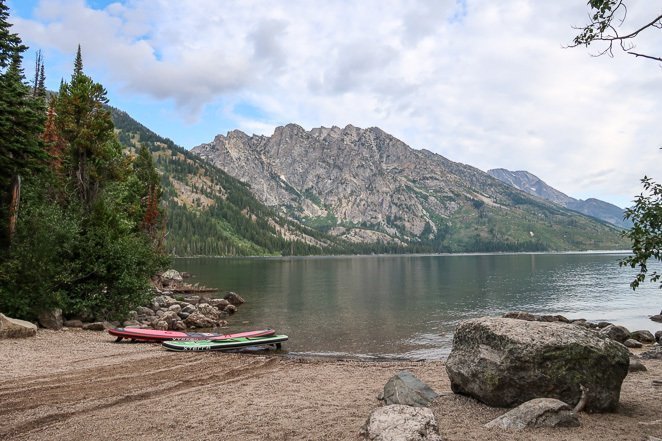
pixel 213 214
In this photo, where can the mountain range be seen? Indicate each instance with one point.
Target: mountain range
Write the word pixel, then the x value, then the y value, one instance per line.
pixel 532 184
pixel 365 186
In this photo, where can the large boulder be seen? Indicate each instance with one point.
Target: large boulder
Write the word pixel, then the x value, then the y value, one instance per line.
pixel 405 388
pixel 539 412
pixel 398 422
pixel 51 319
pixel 15 328
pixel 505 362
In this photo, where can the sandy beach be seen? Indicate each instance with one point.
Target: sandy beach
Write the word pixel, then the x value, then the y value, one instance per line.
pixel 80 385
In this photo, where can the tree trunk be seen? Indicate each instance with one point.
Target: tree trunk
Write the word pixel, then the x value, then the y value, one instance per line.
pixel 15 198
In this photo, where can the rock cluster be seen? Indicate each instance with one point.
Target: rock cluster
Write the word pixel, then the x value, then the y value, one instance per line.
pixel 405 415
pixel 168 313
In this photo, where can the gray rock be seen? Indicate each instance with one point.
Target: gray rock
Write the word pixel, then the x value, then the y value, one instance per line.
pixel 539 412
pixel 615 332
pixel 552 318
pixel 656 318
pixel 658 337
pixel 198 320
pixel 131 324
pixel 234 298
pixel 652 354
pixel 171 278
pixel 175 308
pixel 170 317
pixel 603 324
pixel 505 362
pixel 209 311
pixel 193 300
pixel 143 311
pixel 160 325
pixel 230 309
pixel 51 319
pixel 179 326
pixel 405 388
pixel 401 423
pixel 219 303
pixel 96 326
pixel 632 343
pixel 636 365
pixel 520 315
pixel 73 323
pixel 189 308
pixel 15 328
pixel 643 336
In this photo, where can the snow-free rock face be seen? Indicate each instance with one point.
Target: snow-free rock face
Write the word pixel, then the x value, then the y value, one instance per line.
pixel 366 186
pixel 504 362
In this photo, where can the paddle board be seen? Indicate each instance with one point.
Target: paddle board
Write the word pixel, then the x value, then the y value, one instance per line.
pixel 221 345
pixel 156 335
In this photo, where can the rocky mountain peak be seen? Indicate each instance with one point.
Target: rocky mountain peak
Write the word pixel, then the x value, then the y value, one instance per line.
pixel 365 185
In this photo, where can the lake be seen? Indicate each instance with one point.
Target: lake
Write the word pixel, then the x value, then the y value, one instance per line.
pixel 408 305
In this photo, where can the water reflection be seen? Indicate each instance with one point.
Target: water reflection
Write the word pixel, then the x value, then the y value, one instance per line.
pixel 409 305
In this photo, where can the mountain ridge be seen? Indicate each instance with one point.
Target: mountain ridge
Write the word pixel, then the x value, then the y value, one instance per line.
pixel 364 185
pixel 532 184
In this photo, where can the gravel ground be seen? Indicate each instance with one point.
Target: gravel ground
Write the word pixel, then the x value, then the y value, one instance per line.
pixel 79 385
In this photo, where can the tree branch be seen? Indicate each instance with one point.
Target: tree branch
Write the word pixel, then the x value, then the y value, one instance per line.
pixel 645 56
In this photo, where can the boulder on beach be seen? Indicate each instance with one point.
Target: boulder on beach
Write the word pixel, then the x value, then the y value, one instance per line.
pixel 539 412
pixel 505 362
pixel 51 319
pixel 400 422
pixel 615 332
pixel 405 388
pixel 643 336
pixel 15 328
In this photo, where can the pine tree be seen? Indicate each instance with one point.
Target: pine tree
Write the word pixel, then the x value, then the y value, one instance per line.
pixel 10 43
pixel 87 129
pixel 21 122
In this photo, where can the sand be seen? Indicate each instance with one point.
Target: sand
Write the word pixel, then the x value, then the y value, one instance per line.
pixel 79 385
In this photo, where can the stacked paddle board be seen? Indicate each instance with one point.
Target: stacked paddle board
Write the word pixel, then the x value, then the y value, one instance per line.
pixel 155 335
pixel 201 341
pixel 225 344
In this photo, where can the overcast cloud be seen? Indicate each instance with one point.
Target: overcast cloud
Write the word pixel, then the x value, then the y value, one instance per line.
pixel 480 82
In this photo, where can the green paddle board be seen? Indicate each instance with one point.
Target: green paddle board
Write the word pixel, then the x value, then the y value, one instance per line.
pixel 221 345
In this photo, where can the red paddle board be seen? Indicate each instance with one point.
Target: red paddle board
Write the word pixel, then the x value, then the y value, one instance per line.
pixel 159 336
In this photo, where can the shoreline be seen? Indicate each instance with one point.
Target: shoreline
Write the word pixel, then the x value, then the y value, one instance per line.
pixel 80 385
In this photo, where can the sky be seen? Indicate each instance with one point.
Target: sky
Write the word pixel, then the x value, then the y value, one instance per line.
pixel 487 83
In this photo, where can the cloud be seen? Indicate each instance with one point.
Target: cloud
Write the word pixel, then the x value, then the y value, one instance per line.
pixel 481 82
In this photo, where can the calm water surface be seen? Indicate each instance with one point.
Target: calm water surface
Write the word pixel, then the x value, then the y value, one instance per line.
pixel 408 306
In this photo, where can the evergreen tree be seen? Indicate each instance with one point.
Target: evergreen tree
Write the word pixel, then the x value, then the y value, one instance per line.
pixel 21 119
pixel 87 128
pixel 10 43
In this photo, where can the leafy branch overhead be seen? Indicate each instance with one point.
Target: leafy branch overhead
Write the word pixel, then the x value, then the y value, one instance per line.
pixel 606 18
pixel 646 235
